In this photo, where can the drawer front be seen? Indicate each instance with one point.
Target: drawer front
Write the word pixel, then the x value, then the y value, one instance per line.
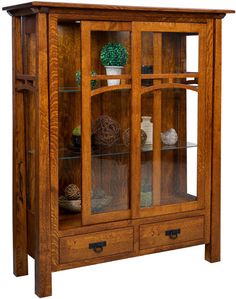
pixel 171 232
pixel 95 245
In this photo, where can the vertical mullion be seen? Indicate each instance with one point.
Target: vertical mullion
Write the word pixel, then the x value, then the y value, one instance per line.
pixel 156 170
pixel 135 122
pixel 86 120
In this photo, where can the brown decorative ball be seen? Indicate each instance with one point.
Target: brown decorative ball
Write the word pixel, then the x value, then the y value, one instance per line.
pixel 126 137
pixel 72 192
pixel 106 131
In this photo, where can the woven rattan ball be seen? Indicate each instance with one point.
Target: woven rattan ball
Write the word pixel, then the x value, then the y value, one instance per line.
pixel 72 192
pixel 126 137
pixel 106 131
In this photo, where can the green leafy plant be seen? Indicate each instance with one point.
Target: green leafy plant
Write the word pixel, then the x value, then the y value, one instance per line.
pixel 93 82
pixel 76 131
pixel 114 54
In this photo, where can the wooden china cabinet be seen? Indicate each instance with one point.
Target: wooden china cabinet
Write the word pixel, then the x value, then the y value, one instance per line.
pixel 137 197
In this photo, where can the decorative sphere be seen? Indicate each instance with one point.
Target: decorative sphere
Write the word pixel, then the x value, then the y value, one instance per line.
pixel 126 137
pixel 106 131
pixel 72 192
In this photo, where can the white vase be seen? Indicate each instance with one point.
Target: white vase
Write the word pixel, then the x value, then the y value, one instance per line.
pixel 147 126
pixel 113 70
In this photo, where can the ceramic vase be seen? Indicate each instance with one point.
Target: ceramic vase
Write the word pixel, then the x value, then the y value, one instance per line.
pixel 147 126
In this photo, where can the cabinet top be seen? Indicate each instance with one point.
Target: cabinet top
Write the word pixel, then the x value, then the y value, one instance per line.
pixel 46 6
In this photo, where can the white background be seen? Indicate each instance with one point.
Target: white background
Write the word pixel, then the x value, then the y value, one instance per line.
pixel 175 274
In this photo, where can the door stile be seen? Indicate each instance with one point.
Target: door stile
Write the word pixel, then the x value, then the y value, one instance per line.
pixel 86 121
pixel 156 171
pixel 53 106
pixel 201 118
pixel 135 122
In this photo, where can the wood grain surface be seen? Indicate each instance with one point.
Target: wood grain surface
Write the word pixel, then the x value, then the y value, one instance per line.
pixel 20 262
pixel 212 253
pixel 154 235
pixel 42 204
pixel 77 248
pixel 116 7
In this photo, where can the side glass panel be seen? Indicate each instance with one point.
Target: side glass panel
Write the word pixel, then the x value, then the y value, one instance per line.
pixel 69 120
pixel 110 121
pixel 169 118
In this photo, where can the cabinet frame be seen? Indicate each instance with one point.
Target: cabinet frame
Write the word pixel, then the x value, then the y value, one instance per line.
pixel 38 233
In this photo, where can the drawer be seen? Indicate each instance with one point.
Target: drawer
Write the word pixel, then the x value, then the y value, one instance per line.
pixel 93 245
pixel 171 232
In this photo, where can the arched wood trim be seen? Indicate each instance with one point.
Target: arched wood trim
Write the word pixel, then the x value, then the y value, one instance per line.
pixel 168 85
pixel 110 88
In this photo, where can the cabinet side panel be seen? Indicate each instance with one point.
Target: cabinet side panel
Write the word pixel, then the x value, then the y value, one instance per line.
pixel 29 69
pixel 20 262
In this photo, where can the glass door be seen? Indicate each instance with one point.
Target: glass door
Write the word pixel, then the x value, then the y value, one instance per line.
pixel 130 112
pixel 170 94
pixel 106 121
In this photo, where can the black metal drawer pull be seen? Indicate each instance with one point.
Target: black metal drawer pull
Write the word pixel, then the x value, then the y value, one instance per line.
pixel 98 246
pixel 173 233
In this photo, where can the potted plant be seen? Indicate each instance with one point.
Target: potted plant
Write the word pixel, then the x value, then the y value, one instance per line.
pixel 113 57
pixel 78 79
pixel 76 137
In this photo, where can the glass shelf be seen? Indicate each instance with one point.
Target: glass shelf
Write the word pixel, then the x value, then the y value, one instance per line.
pixel 72 153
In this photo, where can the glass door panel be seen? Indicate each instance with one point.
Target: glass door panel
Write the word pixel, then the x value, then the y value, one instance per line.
pixel 171 157
pixel 174 178
pixel 110 121
pixel 110 124
pixel 110 55
pixel 181 60
pixel 69 122
pixel 109 70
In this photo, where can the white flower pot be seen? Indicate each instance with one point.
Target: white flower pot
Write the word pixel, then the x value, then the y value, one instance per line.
pixel 113 70
pixel 147 126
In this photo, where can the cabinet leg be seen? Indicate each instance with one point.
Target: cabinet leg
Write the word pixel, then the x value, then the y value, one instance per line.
pixel 20 250
pixel 43 259
pixel 20 256
pixel 212 252
pixel 43 280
